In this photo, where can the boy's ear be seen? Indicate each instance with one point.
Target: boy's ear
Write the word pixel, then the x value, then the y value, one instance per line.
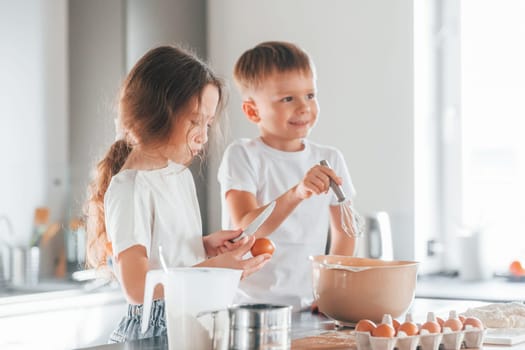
pixel 250 110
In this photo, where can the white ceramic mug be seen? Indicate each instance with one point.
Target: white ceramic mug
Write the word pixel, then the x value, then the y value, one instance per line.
pixel 188 291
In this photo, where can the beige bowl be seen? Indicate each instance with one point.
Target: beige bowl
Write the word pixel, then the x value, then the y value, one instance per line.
pixel 348 289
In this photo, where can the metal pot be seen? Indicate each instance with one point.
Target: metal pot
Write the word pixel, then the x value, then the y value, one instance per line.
pixel 377 241
pixel 260 326
pixel 251 326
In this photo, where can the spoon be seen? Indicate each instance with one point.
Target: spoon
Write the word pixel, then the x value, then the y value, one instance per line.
pixel 162 260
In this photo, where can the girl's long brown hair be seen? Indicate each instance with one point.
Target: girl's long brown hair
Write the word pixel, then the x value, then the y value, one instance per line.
pixel 155 92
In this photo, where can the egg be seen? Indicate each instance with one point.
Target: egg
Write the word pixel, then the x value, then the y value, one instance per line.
pixel 409 328
pixel 365 326
pixel 431 327
pixel 262 245
pixel 384 330
pixel 395 324
pixel 473 322
pixel 453 322
pixel 440 321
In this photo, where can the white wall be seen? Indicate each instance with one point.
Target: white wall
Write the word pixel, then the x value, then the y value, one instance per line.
pixel 97 62
pixel 362 49
pixel 364 56
pixel 166 22
pixel 33 110
pixel 107 37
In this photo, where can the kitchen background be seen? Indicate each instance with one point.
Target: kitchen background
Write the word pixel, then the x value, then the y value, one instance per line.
pixel 62 64
pixel 397 93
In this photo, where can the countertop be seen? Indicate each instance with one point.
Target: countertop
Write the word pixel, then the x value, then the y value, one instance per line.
pixel 498 289
pixel 436 293
pixel 56 295
pixel 58 315
pixel 307 324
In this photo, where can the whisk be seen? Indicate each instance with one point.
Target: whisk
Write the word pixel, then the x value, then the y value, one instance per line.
pixel 351 222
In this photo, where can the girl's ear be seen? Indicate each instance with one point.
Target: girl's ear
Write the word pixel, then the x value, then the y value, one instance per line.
pixel 250 110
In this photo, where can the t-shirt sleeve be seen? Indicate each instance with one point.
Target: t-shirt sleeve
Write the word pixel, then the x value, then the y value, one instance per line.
pixel 128 216
pixel 236 171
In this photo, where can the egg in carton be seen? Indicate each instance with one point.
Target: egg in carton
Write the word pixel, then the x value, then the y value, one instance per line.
pixel 363 330
pixel 474 332
pixel 430 335
pixel 370 336
pixel 383 336
pixel 407 334
pixel 454 333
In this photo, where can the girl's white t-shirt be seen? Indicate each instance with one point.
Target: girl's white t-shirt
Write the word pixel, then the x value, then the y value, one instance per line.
pixel 251 165
pixel 153 208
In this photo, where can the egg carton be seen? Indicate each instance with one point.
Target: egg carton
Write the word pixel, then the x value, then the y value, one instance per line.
pixel 469 339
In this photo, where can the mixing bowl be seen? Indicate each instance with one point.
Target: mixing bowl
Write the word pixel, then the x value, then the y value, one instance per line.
pixel 348 289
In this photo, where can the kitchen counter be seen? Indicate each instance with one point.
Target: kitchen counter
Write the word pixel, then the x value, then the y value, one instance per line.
pixel 59 314
pixel 56 295
pixel 497 289
pixel 306 324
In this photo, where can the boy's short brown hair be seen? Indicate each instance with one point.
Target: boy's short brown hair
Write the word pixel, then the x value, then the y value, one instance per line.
pixel 268 58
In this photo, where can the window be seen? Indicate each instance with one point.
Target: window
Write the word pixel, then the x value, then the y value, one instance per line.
pixel 493 124
pixel 470 121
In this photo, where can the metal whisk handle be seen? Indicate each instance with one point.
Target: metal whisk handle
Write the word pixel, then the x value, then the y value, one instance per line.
pixel 338 190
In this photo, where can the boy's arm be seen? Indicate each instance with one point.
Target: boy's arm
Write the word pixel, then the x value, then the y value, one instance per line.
pixel 243 209
pixel 340 242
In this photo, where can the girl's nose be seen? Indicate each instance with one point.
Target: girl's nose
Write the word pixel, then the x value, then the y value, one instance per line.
pixel 202 136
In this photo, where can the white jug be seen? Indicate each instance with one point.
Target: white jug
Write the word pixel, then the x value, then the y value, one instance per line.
pixel 188 291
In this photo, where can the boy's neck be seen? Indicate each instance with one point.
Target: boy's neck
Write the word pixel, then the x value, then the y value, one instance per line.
pixel 284 145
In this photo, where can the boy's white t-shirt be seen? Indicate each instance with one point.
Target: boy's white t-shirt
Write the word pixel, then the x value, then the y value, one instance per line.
pixel 251 165
pixel 152 208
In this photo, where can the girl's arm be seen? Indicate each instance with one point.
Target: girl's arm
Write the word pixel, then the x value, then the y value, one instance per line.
pixel 132 266
pixel 233 258
pixel 340 242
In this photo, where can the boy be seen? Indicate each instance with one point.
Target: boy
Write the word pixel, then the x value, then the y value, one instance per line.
pixel 278 87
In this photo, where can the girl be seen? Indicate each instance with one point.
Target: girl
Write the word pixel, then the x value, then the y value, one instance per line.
pixel 143 195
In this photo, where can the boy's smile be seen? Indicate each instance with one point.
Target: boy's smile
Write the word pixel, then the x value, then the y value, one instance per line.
pixel 285 108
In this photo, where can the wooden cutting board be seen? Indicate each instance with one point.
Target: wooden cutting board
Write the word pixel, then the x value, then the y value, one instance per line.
pixel 331 340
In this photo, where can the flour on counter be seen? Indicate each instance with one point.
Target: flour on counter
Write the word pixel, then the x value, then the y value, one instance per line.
pixel 500 315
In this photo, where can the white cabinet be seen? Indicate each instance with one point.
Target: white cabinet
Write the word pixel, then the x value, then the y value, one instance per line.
pixel 60 320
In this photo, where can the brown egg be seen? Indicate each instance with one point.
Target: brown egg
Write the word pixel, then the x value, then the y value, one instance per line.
pixel 365 326
pixel 440 321
pixel 431 327
pixel 262 245
pixel 453 322
pixel 384 330
pixel 473 322
pixel 395 324
pixel 409 328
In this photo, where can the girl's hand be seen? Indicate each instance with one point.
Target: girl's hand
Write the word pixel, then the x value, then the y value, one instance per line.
pixel 316 181
pixel 233 259
pixel 219 242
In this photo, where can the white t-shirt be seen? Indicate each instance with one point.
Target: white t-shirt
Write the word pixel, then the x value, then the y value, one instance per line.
pixel 152 208
pixel 253 166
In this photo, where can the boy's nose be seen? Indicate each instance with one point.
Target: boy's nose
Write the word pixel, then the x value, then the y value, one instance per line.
pixel 305 107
